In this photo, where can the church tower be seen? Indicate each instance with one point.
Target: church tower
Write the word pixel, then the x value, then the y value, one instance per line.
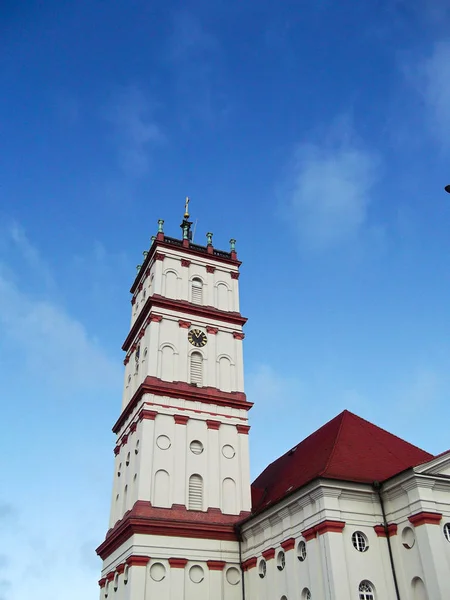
pixel 181 479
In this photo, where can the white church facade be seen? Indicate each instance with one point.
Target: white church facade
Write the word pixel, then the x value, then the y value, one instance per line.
pixel 351 512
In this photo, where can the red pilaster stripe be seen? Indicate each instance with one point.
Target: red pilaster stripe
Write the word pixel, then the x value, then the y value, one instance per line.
pixel 184 324
pixel 116 450
pixel 238 335
pixel 212 330
pixel 288 544
pixel 381 531
pixel 102 582
pixel 210 424
pixel 149 415
pixel 110 576
pixel 330 526
pixel 309 534
pixel 250 563
pixel 216 565
pixel 137 561
pixel 155 318
pixel 243 428
pixel 181 389
pixel 268 554
pixel 178 563
pixel 161 302
pixel 181 419
pixel 425 518
pixel 120 568
pixel 326 526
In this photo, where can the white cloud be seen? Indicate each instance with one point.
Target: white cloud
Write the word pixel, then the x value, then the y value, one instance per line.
pixel 130 113
pixel 53 345
pixel 433 81
pixel 265 386
pixel 30 254
pixel 330 186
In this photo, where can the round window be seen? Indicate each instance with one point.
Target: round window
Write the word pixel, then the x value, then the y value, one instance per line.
pixel 359 541
pixel 228 451
pixel 447 531
pixel 163 442
pixel 408 538
pixel 196 447
pixel 262 568
pixel 157 572
pixel 301 551
pixel 196 574
pixel 233 576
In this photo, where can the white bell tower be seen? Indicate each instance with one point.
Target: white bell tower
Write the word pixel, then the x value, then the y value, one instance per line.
pixel 182 476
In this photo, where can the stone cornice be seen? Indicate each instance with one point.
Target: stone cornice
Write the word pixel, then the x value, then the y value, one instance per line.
pixel 177 521
pixel 173 250
pixel 156 301
pixel 425 518
pixel 180 389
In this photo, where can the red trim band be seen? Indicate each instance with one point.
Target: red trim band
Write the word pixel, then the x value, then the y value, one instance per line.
pixel 243 429
pixel 178 563
pixel 288 544
pixel 250 563
pixel 327 526
pixel 137 561
pixel 160 243
pixel 177 521
pixel 425 518
pixel 268 554
pixel 180 389
pixel 161 302
pixel 380 530
pixel 216 565
pixel 181 419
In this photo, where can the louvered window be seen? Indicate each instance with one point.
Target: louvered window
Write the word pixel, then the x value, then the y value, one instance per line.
pixel 195 492
pixel 196 368
pixel 197 291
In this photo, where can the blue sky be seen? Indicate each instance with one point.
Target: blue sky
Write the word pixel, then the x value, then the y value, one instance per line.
pixel 317 133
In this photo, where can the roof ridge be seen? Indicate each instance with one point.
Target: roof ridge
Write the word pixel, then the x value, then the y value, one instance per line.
pixel 389 433
pixel 343 414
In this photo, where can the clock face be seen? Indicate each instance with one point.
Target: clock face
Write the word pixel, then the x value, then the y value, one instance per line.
pixel 197 338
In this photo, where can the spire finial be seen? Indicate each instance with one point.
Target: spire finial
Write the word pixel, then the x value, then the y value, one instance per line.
pixel 186 208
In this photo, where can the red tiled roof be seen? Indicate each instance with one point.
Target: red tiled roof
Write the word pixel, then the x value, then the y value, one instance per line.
pixel 346 448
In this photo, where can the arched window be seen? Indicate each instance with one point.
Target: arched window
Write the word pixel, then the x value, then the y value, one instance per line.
pixel 125 575
pixel 196 368
pixel 125 492
pixel 306 594
pixel 366 591
pixel 116 581
pixel 195 492
pixel 161 491
pixel 197 291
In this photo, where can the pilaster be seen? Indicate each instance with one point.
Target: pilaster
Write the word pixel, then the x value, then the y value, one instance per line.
pixel 334 567
pixel 213 495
